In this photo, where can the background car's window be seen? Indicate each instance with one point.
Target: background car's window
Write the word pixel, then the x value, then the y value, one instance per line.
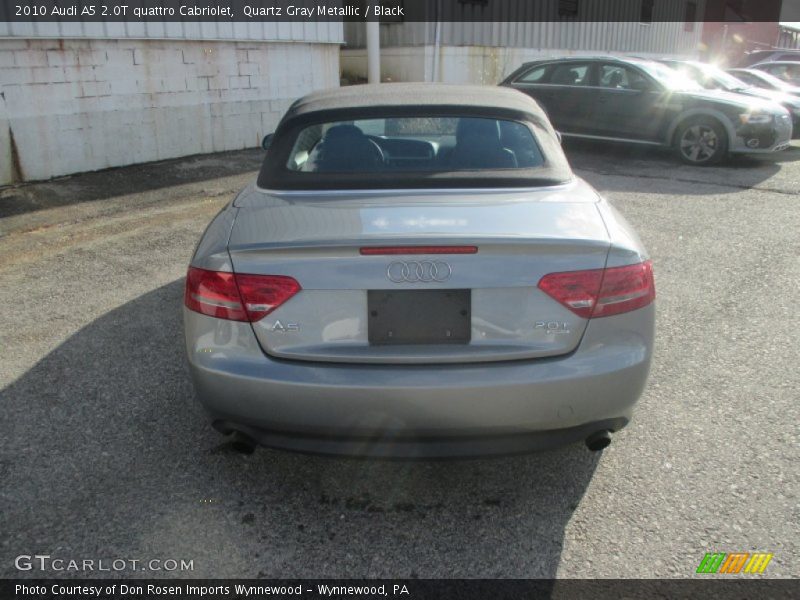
pixel 414 144
pixel 748 78
pixel 771 81
pixel 775 70
pixel 669 77
pixel 622 78
pixel 534 75
pixel 570 74
pixel 788 73
pixel 704 79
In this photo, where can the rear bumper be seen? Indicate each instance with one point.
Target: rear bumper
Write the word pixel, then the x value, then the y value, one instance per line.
pixel 391 445
pixel 420 410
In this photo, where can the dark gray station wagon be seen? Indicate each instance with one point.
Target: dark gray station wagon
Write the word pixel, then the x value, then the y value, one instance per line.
pixel 644 102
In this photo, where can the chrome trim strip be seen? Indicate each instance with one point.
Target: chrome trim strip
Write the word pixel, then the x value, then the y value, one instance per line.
pixel 610 139
pixel 216 302
pixel 623 298
pixel 586 87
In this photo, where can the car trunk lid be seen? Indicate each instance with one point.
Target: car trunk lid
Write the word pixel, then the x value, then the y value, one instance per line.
pixel 361 301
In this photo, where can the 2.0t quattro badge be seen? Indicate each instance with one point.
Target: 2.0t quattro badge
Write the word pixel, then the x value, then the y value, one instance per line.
pixel 424 271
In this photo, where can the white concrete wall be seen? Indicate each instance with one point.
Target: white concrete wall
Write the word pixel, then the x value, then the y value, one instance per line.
pixel 230 31
pixel 79 105
pixel 407 63
pixel 486 65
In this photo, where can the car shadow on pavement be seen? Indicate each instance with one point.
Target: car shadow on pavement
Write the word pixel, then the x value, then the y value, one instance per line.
pixel 105 453
pixel 649 169
pixel 133 179
pixel 791 154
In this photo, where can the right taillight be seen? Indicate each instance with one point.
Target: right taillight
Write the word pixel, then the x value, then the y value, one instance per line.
pixel 625 288
pixel 236 296
pixel 602 292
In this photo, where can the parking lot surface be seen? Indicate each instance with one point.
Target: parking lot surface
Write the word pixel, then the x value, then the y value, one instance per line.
pixel 105 455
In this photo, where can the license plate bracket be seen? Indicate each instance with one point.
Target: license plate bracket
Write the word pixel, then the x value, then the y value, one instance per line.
pixel 403 317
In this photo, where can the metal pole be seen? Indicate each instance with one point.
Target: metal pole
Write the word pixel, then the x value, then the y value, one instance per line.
pixel 437 40
pixel 373 52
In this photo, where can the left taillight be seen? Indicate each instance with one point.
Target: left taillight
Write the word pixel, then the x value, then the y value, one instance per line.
pixel 236 296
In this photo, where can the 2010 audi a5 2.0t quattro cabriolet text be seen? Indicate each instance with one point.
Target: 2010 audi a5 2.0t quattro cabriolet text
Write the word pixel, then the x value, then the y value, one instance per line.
pixel 417 273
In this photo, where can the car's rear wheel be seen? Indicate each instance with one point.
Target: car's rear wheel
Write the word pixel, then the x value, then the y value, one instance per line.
pixel 701 141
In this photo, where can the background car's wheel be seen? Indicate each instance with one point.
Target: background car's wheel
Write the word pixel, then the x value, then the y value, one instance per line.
pixel 701 141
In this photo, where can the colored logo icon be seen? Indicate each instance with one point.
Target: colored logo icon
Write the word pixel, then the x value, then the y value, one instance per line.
pixel 735 562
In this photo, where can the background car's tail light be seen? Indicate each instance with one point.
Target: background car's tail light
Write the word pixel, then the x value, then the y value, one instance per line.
pixel 602 292
pixel 235 296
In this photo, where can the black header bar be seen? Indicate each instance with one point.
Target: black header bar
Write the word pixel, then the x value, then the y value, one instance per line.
pixel 389 11
pixel 710 586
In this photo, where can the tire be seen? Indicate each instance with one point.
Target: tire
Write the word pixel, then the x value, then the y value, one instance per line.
pixel 701 141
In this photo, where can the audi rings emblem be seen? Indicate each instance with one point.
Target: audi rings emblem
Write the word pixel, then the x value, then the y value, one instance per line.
pixel 424 271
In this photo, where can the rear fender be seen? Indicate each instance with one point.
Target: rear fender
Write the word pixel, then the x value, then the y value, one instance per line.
pixel 626 248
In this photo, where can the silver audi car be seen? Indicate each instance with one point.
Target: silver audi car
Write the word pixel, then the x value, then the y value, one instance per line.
pixel 417 272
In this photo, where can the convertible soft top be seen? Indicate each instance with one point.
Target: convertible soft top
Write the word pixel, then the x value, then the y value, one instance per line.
pixel 486 98
pixel 413 100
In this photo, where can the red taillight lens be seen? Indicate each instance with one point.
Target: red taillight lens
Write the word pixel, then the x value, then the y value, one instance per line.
pixel 577 290
pixel 264 293
pixel 625 288
pixel 602 292
pixel 213 293
pixel 236 297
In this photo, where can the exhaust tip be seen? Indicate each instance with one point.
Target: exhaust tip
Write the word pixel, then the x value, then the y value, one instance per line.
pixel 243 443
pixel 599 440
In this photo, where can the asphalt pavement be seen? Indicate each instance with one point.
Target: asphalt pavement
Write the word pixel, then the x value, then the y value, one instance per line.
pixel 105 455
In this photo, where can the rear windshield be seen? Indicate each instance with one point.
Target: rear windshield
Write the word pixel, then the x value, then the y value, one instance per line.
pixel 421 144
